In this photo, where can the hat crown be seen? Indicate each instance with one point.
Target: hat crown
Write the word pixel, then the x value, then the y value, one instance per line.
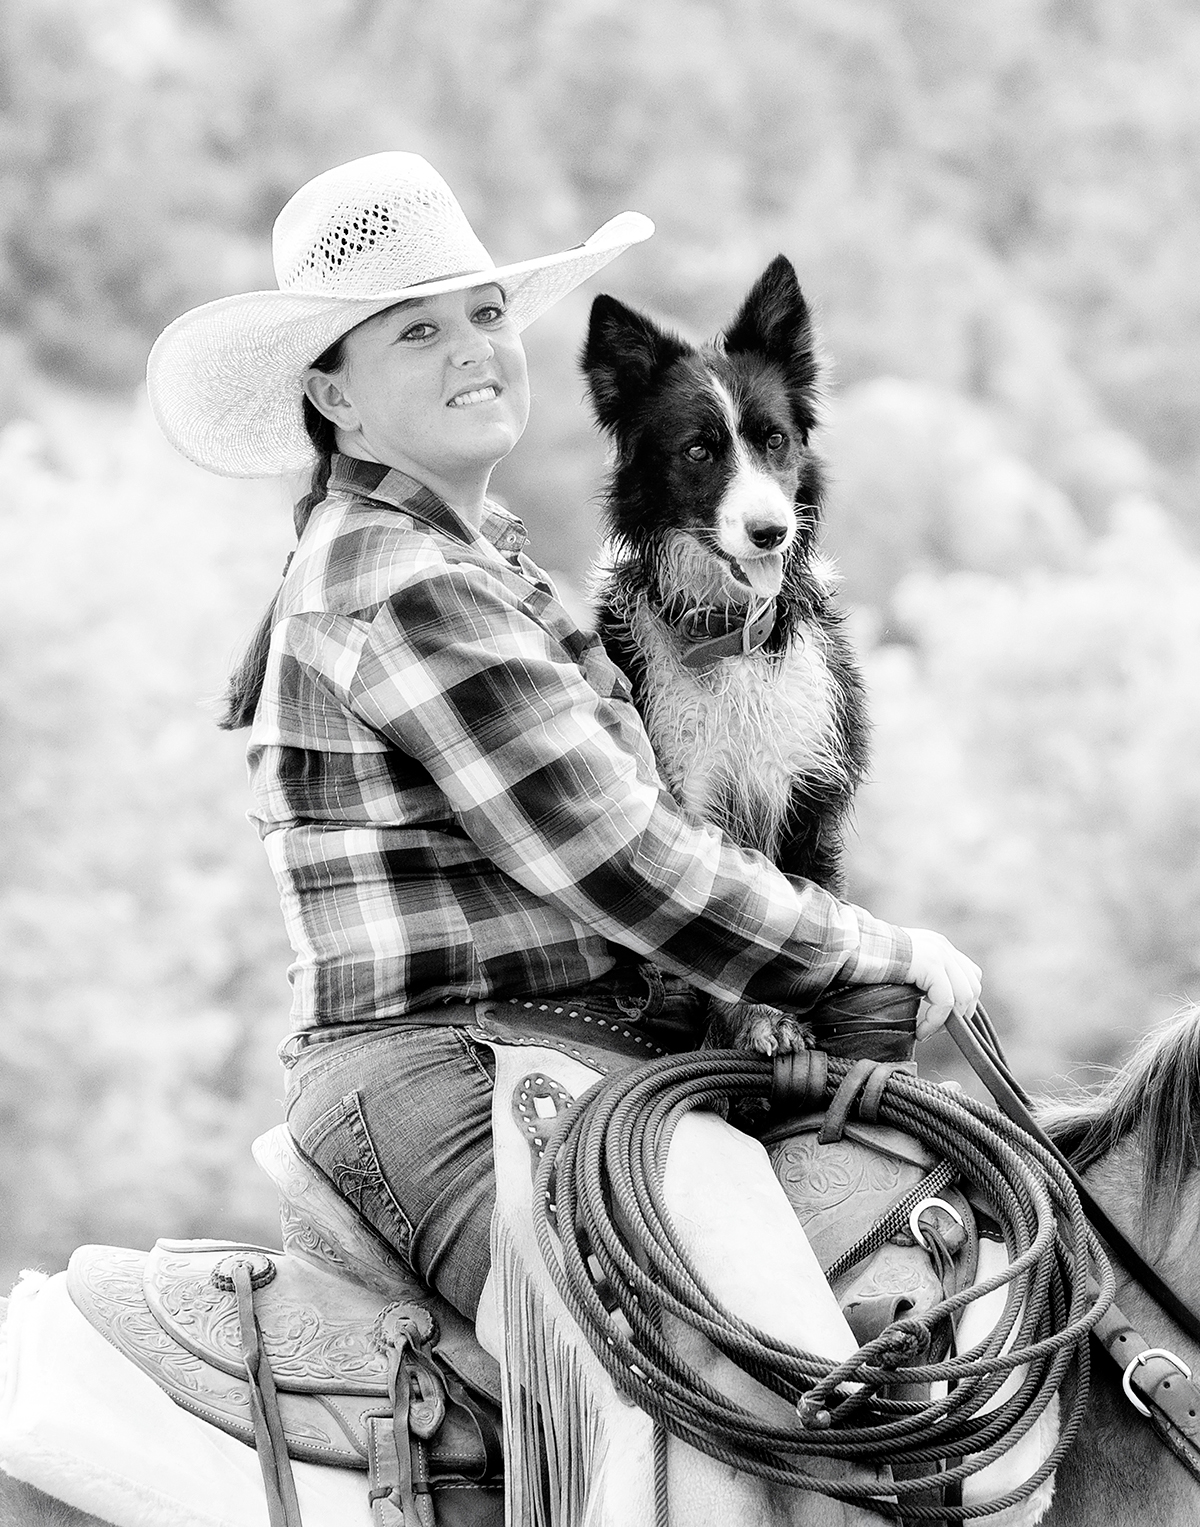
pixel 376 225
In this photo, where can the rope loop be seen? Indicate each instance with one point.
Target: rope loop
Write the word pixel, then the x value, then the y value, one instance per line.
pixel 603 1170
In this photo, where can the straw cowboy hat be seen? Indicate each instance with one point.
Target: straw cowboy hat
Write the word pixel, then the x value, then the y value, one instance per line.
pixel 225 379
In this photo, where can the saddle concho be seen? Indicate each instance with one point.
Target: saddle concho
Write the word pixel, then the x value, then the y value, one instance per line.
pixel 360 1381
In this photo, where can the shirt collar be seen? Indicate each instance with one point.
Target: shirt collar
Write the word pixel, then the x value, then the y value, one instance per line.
pixel 386 485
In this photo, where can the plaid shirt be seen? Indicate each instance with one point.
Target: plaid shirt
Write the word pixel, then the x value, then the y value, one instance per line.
pixel 459 801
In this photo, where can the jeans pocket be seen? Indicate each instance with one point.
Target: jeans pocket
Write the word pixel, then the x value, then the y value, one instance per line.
pixel 340 1144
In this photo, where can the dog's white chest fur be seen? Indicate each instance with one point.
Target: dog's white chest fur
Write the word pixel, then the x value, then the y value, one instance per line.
pixel 733 741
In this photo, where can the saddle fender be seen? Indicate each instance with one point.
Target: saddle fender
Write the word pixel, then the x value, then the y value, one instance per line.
pixel 333 1348
pixel 839 1189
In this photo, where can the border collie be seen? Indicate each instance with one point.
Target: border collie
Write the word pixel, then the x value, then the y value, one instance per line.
pixel 716 603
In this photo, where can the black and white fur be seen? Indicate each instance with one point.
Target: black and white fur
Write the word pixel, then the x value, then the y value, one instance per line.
pixel 714 503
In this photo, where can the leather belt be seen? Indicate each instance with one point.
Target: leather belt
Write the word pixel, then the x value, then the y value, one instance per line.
pixel 591 1028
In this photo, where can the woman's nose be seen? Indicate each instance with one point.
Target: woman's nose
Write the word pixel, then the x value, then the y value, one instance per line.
pixel 470 346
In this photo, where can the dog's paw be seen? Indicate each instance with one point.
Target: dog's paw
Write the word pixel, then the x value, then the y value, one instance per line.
pixel 771 1032
pixel 755 1026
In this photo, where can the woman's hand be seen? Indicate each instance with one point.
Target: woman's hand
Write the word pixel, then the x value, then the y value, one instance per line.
pixel 950 981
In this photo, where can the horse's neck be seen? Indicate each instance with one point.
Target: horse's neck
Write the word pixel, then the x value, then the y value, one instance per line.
pixel 1118 1472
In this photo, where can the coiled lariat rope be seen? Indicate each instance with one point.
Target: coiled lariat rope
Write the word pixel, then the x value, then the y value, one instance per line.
pixel 603 1167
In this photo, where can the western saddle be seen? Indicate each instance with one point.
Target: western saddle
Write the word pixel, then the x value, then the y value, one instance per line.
pixel 329 1351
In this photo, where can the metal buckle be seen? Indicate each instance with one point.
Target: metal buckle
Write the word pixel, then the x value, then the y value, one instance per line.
pixel 915 1213
pixel 1141 1358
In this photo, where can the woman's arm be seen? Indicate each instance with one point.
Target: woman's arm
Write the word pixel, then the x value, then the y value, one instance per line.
pixel 556 782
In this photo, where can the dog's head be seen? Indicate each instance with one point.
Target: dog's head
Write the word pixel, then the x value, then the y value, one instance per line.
pixel 712 442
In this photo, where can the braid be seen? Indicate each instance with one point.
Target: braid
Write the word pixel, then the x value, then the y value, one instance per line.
pixel 246 680
pixel 323 435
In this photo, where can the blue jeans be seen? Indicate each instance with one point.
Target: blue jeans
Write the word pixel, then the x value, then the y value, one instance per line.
pixel 400 1121
pixel 399 1118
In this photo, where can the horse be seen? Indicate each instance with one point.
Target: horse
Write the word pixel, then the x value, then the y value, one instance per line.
pixel 1136 1140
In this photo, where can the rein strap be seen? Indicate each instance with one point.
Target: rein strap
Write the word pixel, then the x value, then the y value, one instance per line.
pixel 1155 1381
pixel 995 1076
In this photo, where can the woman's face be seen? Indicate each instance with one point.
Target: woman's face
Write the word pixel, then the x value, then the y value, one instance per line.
pixel 436 386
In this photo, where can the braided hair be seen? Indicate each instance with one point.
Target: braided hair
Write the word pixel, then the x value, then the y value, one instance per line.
pixel 246 681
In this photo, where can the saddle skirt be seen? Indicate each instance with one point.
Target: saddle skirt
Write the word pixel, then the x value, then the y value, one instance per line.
pixel 164 1312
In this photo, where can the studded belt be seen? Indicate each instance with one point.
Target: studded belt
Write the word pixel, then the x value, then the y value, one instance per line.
pixel 595 1033
pixel 630 1020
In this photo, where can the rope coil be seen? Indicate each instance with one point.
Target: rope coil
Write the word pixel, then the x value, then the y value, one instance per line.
pixel 603 1168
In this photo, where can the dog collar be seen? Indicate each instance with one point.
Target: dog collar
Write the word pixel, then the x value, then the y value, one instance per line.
pixel 708 634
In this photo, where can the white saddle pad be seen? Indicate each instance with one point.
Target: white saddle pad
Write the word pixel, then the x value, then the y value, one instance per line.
pixel 80 1422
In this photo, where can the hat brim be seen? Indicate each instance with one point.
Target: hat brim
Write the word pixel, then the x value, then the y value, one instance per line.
pixel 225 379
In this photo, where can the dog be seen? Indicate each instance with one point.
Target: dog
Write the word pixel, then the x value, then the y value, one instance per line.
pixel 715 600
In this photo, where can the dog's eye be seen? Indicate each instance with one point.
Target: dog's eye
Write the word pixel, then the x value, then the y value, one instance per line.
pixel 698 453
pixel 776 439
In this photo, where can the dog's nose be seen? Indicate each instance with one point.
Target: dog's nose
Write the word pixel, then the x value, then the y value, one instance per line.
pixel 766 537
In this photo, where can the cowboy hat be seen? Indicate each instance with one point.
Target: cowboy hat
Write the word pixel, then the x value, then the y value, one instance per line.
pixel 225 380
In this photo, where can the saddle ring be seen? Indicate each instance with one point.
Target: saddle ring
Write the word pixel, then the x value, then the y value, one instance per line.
pixel 915 1213
pixel 1133 1362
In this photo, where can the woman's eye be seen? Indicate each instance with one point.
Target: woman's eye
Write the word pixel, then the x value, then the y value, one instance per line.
pixel 492 313
pixel 419 331
pixel 698 453
pixel 775 439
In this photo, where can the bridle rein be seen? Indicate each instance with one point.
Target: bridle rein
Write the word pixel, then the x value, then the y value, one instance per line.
pixel 1156 1381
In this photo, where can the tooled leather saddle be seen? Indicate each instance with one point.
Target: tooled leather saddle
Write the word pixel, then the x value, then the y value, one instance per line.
pixel 329 1352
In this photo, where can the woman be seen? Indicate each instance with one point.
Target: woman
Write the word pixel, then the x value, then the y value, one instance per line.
pixel 456 795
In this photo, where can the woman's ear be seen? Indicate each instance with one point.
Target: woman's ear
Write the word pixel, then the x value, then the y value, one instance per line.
pixel 324 390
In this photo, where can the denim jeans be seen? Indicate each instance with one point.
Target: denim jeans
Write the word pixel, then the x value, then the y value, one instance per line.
pixel 400 1121
pixel 399 1118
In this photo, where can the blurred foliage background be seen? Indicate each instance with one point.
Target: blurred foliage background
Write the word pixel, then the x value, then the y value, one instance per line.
pixel 995 210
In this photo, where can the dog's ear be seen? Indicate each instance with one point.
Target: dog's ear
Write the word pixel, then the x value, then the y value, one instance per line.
pixel 774 321
pixel 623 353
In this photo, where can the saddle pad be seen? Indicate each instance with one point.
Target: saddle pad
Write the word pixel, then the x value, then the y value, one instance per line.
pixel 82 1424
pixel 163 1313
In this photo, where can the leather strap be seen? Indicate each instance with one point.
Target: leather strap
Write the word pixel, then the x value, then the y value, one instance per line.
pixel 404 1446
pixel 388 1470
pixel 1154 1376
pixel 798 1081
pixel 747 636
pixel 283 1508
pixel 398 1451
pixel 490 1441
pixel 844 1099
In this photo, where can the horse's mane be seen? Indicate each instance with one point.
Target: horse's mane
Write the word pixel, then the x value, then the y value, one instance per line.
pixel 1155 1095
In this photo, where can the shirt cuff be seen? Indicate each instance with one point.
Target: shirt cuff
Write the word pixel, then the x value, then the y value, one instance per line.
pixel 880 951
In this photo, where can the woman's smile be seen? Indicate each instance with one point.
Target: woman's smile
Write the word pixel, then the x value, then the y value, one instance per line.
pixel 488 393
